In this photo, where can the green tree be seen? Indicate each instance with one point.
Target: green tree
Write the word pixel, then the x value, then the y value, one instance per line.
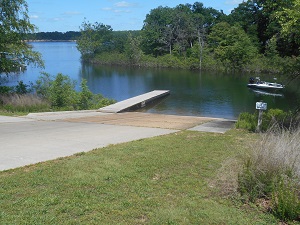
pixel 247 16
pixel 289 19
pixel 231 45
pixel 157 32
pixel 210 15
pixel 14 26
pixel 262 20
pixel 132 49
pixel 177 29
pixel 93 38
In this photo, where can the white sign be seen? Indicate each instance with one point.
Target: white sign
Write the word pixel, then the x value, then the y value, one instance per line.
pixel 261 105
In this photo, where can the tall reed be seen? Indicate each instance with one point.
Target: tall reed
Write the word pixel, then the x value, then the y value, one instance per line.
pixel 23 103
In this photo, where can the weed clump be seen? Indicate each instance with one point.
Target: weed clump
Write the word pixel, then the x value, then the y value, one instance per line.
pixel 272 172
pixel 23 103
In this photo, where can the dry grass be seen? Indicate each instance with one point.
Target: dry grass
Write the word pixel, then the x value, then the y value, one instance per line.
pixel 21 100
pixel 273 173
pixel 226 178
pixel 278 151
pixel 24 103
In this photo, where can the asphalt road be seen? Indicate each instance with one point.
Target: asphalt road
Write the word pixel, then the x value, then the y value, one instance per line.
pixel 46 136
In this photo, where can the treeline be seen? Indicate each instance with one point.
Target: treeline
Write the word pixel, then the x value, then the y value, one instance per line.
pixel 259 36
pixel 55 36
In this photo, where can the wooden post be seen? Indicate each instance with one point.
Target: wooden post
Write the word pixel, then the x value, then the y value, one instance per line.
pixel 260 114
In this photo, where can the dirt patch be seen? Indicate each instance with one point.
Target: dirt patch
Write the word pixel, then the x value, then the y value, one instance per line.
pixel 145 120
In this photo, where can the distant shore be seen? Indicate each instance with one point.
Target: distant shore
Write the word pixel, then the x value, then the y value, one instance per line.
pixel 50 40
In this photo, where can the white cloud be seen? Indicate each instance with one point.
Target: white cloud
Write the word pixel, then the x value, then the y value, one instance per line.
pixel 119 7
pixel 123 4
pixel 107 9
pixel 34 17
pixel 56 19
pixel 121 11
pixel 72 13
pixel 233 2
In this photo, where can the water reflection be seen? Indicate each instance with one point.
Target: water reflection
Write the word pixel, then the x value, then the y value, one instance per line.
pixel 263 92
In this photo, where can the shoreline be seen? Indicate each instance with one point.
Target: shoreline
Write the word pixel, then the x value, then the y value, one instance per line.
pixel 50 40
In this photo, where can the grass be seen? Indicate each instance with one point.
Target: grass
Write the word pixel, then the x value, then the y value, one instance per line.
pixel 172 179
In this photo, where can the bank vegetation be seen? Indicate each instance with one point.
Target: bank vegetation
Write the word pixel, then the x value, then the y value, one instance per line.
pixel 49 93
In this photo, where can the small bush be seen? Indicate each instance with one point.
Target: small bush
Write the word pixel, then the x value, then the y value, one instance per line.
pixel 22 88
pixel 85 96
pixel 285 200
pixel 62 92
pixel 5 89
pixel 247 121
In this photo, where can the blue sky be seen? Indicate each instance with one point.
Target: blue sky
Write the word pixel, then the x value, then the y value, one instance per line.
pixel 67 15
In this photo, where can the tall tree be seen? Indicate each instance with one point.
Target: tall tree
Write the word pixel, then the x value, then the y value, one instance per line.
pixel 14 26
pixel 231 45
pixel 211 16
pixel 93 38
pixel 289 19
pixel 184 28
pixel 247 15
pixel 132 49
pixel 258 18
pixel 157 32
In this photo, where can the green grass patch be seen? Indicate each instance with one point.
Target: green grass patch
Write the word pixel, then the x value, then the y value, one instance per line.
pixel 172 179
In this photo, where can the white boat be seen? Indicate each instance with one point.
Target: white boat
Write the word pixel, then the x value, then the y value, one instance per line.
pixel 258 84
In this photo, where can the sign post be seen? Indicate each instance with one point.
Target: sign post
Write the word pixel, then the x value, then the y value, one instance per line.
pixel 261 106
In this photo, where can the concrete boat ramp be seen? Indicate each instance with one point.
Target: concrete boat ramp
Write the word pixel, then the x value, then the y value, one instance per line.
pixel 139 101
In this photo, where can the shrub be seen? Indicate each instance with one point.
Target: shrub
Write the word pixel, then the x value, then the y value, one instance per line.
pixel 98 101
pixel 43 84
pixel 5 89
pixel 247 121
pixel 56 93
pixel 170 61
pixel 62 92
pixel 22 88
pixel 285 200
pixel 85 96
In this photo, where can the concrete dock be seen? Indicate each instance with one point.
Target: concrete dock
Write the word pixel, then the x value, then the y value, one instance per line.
pixel 139 101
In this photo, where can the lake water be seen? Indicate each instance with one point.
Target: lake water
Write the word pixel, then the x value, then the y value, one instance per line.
pixel 193 93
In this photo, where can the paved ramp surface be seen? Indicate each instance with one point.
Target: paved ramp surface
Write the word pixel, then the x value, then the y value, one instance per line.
pixel 45 136
pixel 216 126
pixel 28 142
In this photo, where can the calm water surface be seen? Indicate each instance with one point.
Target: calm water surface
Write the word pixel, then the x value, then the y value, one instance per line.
pixel 192 93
